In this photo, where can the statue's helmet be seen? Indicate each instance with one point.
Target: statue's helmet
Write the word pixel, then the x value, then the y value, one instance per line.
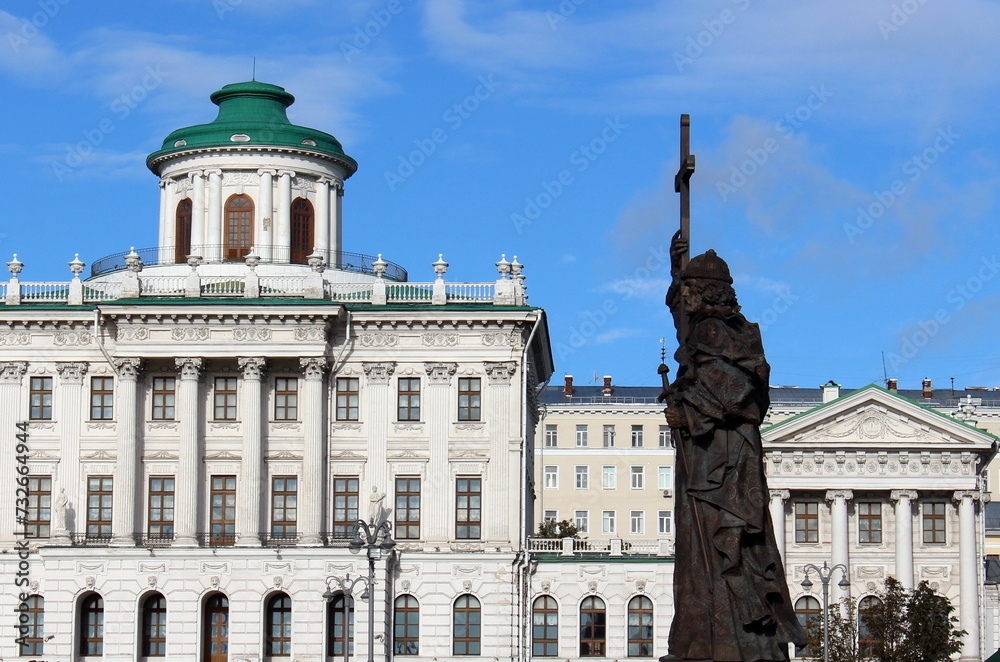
pixel 708 266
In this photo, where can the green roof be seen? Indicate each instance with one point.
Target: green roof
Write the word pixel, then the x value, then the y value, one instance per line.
pixel 253 114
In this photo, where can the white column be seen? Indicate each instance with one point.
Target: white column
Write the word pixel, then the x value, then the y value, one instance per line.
pixel 127 465
pixel 839 530
pixel 337 217
pixel 437 412
pixel 380 397
pixel 250 490
pixel 283 229
pixel 265 215
pixel 68 398
pixel 11 378
pixel 214 237
pixel 778 499
pixel 321 224
pixel 198 213
pixel 501 406
pixel 164 213
pixel 904 536
pixel 968 571
pixel 168 234
pixel 314 459
pixel 188 483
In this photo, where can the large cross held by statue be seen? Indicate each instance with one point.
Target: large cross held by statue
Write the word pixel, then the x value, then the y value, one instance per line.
pixel 682 183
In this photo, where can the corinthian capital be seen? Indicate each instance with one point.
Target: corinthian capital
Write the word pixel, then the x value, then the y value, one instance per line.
pixel 72 373
pixel 313 366
pixel 190 368
pixel 252 367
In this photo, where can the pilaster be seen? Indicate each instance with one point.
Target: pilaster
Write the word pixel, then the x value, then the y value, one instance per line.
pixel 127 463
pixel 214 237
pixel 67 400
pixel 11 379
pixel 904 535
pixel 265 214
pixel 283 238
pixel 197 213
pixel 498 409
pixel 314 463
pixel 380 396
pixel 188 484
pixel 777 508
pixel 321 223
pixel 840 532
pixel 250 491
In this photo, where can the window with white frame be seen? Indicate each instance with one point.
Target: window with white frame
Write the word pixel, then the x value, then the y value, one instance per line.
pixel 551 516
pixel 638 477
pixel 608 436
pixel 581 436
pixel 637 522
pixel 608 521
pixel 664 522
pixel 664 436
pixel 582 477
pixel 551 436
pixel 664 478
pixel 636 436
pixel 609 478
pixel 551 477
pixel 582 520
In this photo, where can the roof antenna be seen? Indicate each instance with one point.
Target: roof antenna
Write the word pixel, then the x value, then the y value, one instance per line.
pixel 885 373
pixel 254 74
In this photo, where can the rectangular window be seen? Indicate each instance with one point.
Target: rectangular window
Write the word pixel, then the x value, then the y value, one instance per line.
pixel 225 398
pixel 550 516
pixel 551 477
pixel 37 521
pixel 581 436
pixel 806 521
pixel 608 436
pixel 636 436
pixel 102 398
pixel 608 522
pixel 582 474
pixel 345 506
pixel 664 478
pixel 870 523
pixel 551 436
pixel 99 513
pixel 582 520
pixel 663 436
pixel 637 522
pixel 408 405
pixel 468 507
pixel 469 398
pixel 407 508
pixel 286 399
pixel 664 521
pixel 164 398
pixel 934 523
pixel 161 507
pixel 284 506
pixel 41 399
pixel 347 398
pixel 609 478
pixel 638 477
pixel 222 532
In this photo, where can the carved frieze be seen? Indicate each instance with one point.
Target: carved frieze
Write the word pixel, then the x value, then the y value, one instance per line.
pixel 136 333
pixel 69 338
pixel 378 339
pixel 305 183
pixel 501 339
pixel 240 179
pixel 251 334
pixel 435 339
pixel 195 333
pixel 309 333
pixel 15 338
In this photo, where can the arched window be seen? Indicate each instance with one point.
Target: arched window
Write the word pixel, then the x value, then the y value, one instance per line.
pixel 406 633
pixel 182 231
pixel 92 625
pixel 808 612
pixel 640 627
pixel 335 625
pixel 33 640
pixel 593 622
pixel 238 233
pixel 154 626
pixel 278 637
pixel 302 230
pixel 215 630
pixel 467 622
pixel 545 627
pixel 866 642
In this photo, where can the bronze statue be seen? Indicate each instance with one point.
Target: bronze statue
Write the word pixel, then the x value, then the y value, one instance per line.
pixel 731 601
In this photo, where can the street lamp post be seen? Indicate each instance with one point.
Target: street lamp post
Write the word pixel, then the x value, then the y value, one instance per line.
pixel 825 575
pixel 374 537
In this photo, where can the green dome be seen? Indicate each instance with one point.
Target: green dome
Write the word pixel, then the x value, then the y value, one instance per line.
pixel 252 113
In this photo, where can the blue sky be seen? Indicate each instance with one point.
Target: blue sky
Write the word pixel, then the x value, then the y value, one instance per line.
pixel 848 155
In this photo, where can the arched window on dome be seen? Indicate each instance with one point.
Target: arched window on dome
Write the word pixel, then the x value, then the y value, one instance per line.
pixel 215 629
pixel 92 626
pixel 182 231
pixel 640 627
pixel 807 611
pixel 593 627
pixel 238 233
pixel 303 221
pixel 154 626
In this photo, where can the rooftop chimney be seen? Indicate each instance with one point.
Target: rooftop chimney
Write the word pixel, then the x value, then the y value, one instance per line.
pixel 831 391
pixel 607 385
pixel 892 385
pixel 928 391
pixel 568 387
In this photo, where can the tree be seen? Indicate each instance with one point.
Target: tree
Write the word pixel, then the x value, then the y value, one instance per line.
pixel 899 626
pixel 552 529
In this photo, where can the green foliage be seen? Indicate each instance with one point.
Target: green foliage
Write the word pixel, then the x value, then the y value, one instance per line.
pixel 553 529
pixel 899 627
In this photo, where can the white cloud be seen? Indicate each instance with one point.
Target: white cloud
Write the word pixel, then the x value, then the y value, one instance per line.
pixel 615 334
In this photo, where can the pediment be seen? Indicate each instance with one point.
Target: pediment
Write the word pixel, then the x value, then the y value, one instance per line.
pixel 875 418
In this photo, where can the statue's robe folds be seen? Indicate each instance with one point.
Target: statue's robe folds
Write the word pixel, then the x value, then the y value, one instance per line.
pixel 731 602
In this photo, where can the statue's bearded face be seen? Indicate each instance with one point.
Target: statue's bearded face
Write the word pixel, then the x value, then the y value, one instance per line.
pixel 702 293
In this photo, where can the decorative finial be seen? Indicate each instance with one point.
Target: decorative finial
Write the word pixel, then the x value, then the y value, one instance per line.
pixel 15 266
pixel 76 266
pixel 663 350
pixel 378 266
pixel 503 266
pixel 440 267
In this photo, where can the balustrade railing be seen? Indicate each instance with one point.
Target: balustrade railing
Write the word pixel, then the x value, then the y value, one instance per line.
pixel 44 291
pixel 282 285
pixel 162 285
pixel 604 548
pixel 221 286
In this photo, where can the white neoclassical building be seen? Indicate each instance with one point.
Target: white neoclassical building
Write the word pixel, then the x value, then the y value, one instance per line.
pixel 194 430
